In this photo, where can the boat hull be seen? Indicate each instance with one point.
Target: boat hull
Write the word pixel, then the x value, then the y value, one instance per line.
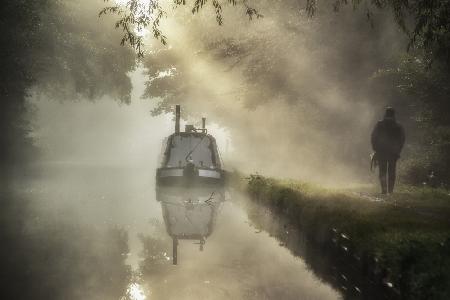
pixel 184 176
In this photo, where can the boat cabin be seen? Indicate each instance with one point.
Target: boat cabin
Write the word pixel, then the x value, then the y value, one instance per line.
pixel 190 157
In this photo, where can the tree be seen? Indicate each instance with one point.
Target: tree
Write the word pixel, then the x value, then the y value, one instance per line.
pixel 137 15
pixel 306 75
pixel 62 50
pixel 53 48
pixel 426 22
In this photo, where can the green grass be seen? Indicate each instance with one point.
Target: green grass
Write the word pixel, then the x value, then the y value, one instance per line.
pixel 408 232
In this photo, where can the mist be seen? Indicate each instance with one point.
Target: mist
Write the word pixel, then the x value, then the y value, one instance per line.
pixel 304 88
pixel 85 122
pixel 297 94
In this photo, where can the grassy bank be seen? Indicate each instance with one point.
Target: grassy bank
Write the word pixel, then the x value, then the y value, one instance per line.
pixel 407 234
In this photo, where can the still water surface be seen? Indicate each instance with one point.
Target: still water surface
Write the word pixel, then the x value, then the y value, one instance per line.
pixel 110 218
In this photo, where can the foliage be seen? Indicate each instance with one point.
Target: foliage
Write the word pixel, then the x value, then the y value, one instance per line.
pixel 17 43
pixel 420 76
pixel 424 88
pixel 137 15
pixel 419 79
pixel 430 28
pixel 79 56
pixel 58 49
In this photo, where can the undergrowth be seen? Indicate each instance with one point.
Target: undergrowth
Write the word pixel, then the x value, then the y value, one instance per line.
pixel 407 233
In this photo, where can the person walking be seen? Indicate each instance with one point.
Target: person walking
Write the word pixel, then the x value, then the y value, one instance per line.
pixel 388 138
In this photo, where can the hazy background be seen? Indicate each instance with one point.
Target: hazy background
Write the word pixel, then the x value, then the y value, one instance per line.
pixel 295 95
pixel 105 132
pixel 82 120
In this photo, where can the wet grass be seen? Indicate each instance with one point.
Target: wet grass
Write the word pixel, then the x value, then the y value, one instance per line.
pixel 407 234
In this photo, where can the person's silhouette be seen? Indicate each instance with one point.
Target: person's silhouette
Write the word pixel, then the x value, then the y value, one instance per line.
pixel 388 138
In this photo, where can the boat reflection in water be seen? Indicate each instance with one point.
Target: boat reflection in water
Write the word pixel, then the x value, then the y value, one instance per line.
pixel 189 184
pixel 189 213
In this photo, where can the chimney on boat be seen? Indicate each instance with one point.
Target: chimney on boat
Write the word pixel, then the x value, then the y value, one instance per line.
pixel 203 124
pixel 177 118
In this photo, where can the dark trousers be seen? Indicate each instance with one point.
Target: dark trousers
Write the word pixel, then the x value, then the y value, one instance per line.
pixel 387 170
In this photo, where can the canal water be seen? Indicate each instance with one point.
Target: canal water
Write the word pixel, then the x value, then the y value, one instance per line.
pixel 87 222
pixel 108 228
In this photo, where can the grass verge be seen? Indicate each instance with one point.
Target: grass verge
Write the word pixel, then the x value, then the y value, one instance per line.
pixel 407 234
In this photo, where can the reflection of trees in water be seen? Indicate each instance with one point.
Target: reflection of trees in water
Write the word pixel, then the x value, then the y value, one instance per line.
pixel 47 258
pixel 155 251
pixel 155 254
pixel 155 258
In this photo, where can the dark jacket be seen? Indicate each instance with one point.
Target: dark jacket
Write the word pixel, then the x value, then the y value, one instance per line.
pixel 388 138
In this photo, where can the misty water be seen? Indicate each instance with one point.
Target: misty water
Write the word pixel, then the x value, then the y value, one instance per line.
pixel 237 262
pixel 94 210
pixel 294 94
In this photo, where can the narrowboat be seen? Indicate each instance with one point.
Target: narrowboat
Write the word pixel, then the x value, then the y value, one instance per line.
pixel 190 157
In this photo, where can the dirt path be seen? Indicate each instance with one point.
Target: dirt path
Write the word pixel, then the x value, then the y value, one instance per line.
pixel 429 212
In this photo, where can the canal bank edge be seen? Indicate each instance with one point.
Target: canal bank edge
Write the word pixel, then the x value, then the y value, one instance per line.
pixel 402 241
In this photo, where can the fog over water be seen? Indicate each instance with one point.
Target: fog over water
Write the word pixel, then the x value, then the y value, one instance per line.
pixel 284 96
pixel 97 172
pixel 106 132
pixel 238 260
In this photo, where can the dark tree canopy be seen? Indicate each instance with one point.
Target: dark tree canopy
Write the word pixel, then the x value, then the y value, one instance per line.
pixel 60 49
pixel 426 22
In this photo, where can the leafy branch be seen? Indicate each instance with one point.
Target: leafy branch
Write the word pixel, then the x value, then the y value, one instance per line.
pixel 135 16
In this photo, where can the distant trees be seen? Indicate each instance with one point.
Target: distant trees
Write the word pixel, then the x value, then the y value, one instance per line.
pixel 421 78
pixel 426 22
pixel 415 77
pixel 57 48
pixel 19 23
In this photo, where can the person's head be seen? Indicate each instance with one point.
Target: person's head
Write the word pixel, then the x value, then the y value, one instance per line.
pixel 389 114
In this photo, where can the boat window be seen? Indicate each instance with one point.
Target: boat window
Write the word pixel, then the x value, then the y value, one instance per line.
pixel 183 145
